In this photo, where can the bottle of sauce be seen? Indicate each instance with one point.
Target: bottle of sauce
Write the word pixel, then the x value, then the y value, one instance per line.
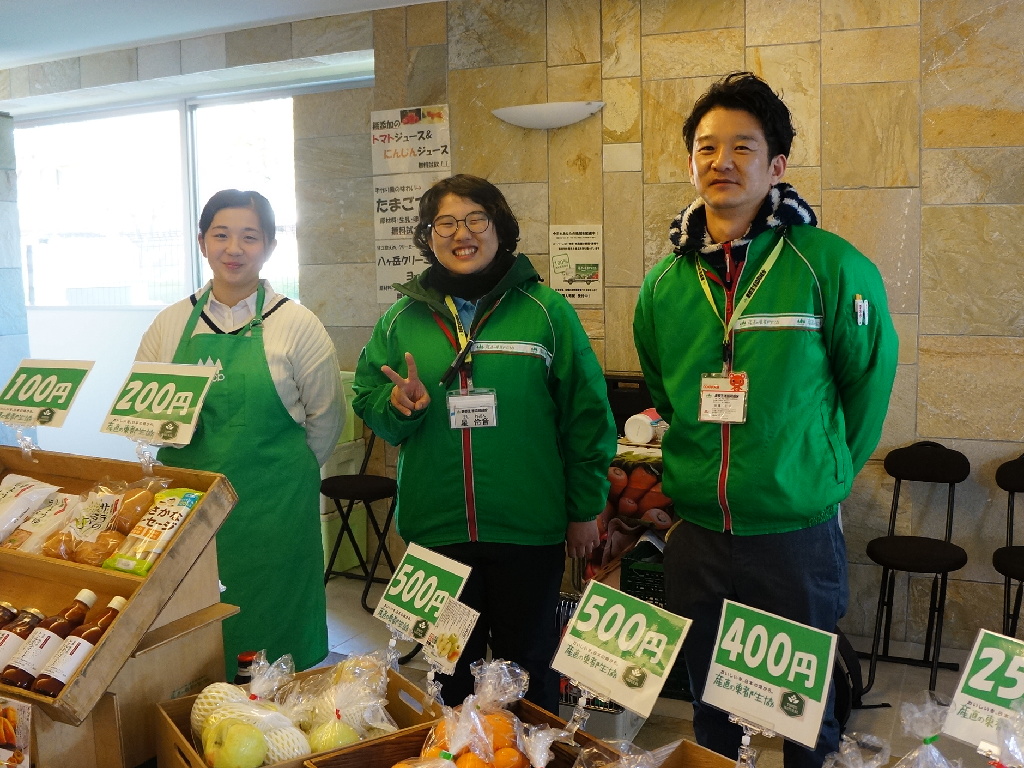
pixel 13 634
pixel 74 650
pixel 39 646
pixel 244 674
pixel 7 613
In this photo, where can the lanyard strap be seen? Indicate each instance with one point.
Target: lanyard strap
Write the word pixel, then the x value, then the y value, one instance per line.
pixel 465 355
pixel 741 305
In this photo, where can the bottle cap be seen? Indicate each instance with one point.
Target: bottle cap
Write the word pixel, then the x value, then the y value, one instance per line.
pixel 247 657
pixel 35 612
pixel 117 603
pixel 86 596
pixel 8 606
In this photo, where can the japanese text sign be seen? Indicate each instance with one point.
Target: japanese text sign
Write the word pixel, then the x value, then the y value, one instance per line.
pixel 417 592
pixel 447 637
pixel 41 392
pixel 576 263
pixel 160 402
pixel 992 680
pixel 410 140
pixel 620 647
pixel 771 671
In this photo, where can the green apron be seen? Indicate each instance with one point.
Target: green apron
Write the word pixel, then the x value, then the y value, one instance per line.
pixel 269 550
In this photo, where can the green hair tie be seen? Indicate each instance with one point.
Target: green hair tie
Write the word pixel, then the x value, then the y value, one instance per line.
pixel 930 739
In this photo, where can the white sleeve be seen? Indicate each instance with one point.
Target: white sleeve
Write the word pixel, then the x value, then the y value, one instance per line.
pixel 317 380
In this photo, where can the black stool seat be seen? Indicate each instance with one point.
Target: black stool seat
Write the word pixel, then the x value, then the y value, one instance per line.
pixel 1009 562
pixel 348 490
pixel 917 554
pixel 358 487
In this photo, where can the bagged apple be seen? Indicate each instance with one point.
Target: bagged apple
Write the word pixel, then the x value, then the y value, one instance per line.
pixel 234 743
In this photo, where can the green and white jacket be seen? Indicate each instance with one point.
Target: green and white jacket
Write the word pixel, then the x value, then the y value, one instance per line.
pixel 819 375
pixel 544 465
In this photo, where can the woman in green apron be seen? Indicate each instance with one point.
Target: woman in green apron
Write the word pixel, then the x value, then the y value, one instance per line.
pixel 272 417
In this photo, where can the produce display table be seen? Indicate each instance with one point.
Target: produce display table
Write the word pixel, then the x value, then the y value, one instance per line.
pixel 166 642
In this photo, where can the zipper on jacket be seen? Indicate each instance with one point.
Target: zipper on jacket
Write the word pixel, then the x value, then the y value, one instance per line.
pixel 468 486
pixel 731 281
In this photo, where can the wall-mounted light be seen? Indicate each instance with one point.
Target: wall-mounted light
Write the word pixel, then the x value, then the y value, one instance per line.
pixel 552 114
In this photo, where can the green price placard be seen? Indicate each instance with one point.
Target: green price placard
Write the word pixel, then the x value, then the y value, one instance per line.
pixel 771 671
pixel 159 403
pixel 417 592
pixel 992 680
pixel 40 392
pixel 620 647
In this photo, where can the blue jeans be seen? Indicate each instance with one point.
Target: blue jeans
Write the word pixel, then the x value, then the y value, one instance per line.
pixel 800 575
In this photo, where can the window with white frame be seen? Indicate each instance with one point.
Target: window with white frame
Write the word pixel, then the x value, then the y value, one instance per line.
pixel 108 204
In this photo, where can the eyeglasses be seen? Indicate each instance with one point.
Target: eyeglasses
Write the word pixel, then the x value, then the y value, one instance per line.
pixel 476 222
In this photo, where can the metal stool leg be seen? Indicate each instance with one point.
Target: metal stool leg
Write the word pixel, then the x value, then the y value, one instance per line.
pixel 346 528
pixel 382 547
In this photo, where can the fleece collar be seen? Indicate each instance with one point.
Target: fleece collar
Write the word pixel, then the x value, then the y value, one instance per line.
pixel 782 207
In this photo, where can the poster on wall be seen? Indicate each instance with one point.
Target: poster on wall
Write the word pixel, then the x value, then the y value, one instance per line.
pixel 398 261
pixel 577 263
pixel 410 140
pixel 410 152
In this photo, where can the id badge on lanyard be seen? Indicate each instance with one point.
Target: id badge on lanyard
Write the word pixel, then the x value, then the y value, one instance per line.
pixel 468 408
pixel 723 397
pixel 476 408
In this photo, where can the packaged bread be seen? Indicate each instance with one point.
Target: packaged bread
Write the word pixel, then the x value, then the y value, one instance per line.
pixel 150 536
pixel 134 504
pixel 89 532
pixel 20 495
pixel 42 523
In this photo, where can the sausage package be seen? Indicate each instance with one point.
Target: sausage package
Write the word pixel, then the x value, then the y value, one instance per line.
pixel 150 535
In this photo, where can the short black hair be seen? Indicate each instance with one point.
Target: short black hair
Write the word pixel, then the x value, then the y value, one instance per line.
pixel 480 191
pixel 234 198
pixel 748 92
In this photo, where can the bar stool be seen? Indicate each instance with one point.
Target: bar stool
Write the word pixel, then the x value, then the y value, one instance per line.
pixel 363 488
pixel 1009 560
pixel 925 462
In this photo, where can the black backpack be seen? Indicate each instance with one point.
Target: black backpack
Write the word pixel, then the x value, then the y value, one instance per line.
pixel 848 680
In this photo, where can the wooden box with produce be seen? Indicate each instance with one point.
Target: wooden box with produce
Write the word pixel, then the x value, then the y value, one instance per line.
pixel 407 705
pixel 167 594
pixel 386 753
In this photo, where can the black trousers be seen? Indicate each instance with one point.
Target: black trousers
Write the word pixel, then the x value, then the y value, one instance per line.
pixel 515 587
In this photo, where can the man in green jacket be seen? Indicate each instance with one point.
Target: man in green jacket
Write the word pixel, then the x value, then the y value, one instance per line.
pixel 767 346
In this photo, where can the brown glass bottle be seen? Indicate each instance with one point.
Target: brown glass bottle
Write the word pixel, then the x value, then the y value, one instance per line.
pixel 74 650
pixel 13 634
pixel 39 646
pixel 7 613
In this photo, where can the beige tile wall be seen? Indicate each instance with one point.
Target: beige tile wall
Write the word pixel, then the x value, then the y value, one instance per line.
pixel 910 145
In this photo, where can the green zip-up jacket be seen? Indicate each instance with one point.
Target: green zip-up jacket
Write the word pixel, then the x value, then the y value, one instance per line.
pixel 546 462
pixel 819 381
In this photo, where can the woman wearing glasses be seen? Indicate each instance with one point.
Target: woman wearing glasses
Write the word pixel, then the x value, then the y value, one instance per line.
pixel 487 381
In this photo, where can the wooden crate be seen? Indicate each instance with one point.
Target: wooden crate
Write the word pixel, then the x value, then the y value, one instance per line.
pixel 690 755
pixel 158 599
pixel 179 658
pixel 386 751
pixel 408 705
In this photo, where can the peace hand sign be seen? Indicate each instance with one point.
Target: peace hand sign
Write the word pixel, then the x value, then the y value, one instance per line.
pixel 409 394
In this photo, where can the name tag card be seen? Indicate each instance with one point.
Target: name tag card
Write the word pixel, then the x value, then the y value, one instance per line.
pixel 620 647
pixel 40 392
pixel 771 671
pixel 423 583
pixel 160 403
pixel 993 679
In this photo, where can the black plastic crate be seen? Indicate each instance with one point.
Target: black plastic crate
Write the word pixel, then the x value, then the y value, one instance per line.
pixel 643 575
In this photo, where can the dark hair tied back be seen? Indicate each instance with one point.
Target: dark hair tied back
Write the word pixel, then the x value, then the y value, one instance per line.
pixel 234 198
